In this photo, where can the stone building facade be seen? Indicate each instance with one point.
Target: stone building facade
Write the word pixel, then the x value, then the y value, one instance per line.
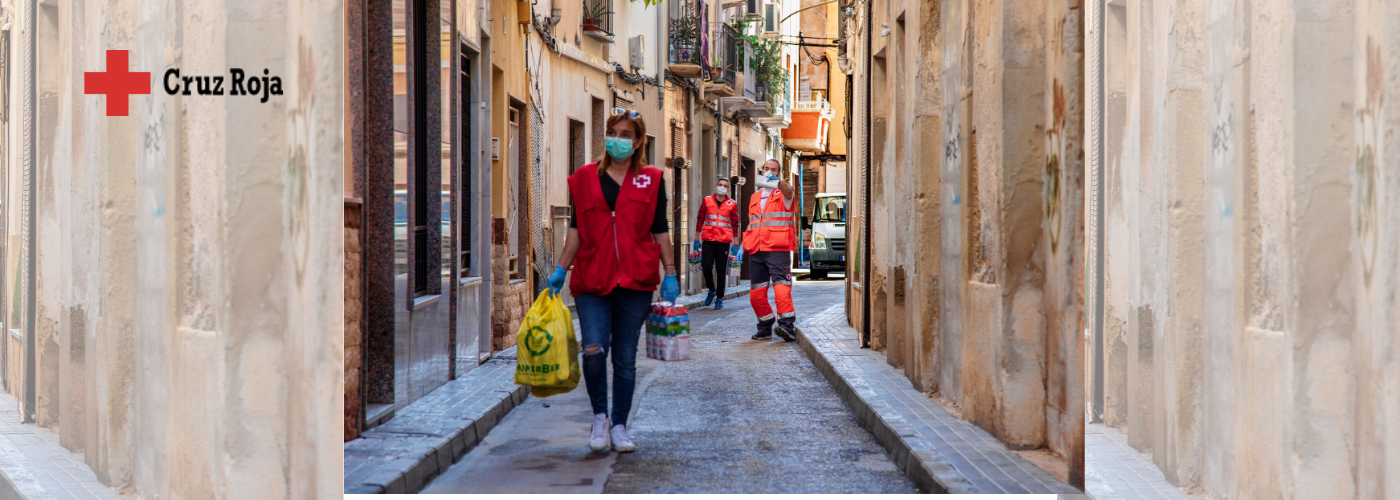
pixel 965 197
pixel 1248 331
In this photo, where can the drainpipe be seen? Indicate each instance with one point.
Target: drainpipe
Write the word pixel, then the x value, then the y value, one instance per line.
pixel 865 184
pixel 1096 123
pixel 30 91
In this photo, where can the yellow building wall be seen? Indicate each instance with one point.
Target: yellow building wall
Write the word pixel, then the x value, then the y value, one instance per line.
pixel 508 79
pixel 836 87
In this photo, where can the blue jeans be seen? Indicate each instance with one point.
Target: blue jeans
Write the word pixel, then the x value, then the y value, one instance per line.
pixel 612 323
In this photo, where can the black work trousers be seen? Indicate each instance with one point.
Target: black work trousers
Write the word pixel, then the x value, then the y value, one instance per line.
pixel 714 262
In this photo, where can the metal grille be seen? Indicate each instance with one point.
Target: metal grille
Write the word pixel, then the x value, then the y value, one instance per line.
pixel 541 227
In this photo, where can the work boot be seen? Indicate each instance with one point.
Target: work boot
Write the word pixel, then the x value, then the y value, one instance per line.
pixel 762 336
pixel 598 439
pixel 785 333
pixel 621 442
pixel 710 298
pixel 719 303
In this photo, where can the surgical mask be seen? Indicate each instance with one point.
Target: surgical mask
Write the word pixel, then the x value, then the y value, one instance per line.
pixel 721 190
pixel 618 147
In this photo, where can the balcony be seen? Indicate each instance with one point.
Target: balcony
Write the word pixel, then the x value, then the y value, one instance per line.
pixel 811 123
pixel 761 107
pixel 781 116
pixel 727 64
pixel 597 20
pixel 683 58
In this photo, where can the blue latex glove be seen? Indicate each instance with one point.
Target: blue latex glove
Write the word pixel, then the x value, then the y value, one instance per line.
pixel 556 280
pixel 670 288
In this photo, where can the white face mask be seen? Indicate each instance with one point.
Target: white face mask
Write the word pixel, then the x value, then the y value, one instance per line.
pixel 721 190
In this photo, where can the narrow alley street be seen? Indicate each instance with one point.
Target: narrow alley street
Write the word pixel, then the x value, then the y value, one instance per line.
pixel 741 416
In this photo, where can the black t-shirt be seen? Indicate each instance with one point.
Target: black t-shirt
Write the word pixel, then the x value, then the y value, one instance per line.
pixel 611 189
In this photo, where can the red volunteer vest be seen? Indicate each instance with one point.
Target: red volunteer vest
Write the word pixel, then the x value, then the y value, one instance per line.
pixel 772 230
pixel 718 220
pixel 617 249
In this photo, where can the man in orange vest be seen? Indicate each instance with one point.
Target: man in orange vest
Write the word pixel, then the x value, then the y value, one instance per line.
pixel 769 241
pixel 715 227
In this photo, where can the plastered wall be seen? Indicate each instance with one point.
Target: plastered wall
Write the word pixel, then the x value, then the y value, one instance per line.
pixel 981 304
pixel 190 255
pixel 1251 265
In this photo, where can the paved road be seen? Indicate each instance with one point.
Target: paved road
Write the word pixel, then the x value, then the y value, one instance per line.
pixel 741 416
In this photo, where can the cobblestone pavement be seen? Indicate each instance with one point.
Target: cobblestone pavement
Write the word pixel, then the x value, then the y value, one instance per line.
pixel 1113 470
pixel 741 416
pixel 34 466
pixel 935 446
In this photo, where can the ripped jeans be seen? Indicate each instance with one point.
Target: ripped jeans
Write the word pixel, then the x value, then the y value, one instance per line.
pixel 612 323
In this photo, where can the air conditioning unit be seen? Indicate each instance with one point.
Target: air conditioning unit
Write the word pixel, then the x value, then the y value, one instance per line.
pixel 636 57
pixel 772 17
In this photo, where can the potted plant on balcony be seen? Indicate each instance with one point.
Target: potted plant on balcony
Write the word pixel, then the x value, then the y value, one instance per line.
pixel 593 15
pixel 684 35
pixel 716 68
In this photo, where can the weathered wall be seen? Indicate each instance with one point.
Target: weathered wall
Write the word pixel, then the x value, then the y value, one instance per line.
pixel 1250 267
pixel 982 306
pixel 354 307
pixel 190 258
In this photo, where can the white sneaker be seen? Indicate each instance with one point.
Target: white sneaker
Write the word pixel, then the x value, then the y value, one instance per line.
pixel 621 442
pixel 598 439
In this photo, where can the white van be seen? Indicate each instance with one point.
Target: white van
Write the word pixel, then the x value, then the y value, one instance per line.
pixel 827 246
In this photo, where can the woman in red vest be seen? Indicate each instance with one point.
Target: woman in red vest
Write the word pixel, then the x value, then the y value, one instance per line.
pixel 620 238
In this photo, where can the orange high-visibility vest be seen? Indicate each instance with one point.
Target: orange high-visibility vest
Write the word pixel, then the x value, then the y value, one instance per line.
pixel 718 220
pixel 773 230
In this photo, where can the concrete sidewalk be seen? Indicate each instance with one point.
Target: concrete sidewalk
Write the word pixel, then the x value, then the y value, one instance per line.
pixel 939 452
pixel 1114 471
pixel 33 466
pixel 426 437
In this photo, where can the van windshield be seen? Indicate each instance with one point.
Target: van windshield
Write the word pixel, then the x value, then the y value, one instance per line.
pixel 830 209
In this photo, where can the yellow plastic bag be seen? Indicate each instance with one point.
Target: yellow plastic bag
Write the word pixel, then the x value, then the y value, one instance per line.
pixel 547 352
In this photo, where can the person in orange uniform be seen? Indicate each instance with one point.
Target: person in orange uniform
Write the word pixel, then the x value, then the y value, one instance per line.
pixel 715 224
pixel 769 241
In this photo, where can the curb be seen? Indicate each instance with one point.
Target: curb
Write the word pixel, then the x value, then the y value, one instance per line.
pixel 15 481
pixel 924 467
pixel 438 450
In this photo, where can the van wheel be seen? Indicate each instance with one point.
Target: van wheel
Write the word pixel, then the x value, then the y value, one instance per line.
pixel 817 275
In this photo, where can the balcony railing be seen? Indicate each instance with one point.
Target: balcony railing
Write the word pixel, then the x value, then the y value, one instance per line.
pixel 732 62
pixel 781 113
pixel 819 105
pixel 683 58
pixel 597 20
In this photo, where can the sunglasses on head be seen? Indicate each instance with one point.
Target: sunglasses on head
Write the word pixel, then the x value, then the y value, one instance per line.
pixel 631 113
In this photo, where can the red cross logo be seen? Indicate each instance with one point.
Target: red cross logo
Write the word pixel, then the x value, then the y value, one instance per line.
pixel 117 83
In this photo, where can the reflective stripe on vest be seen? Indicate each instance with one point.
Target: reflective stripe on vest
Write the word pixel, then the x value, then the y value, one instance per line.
pixel 719 220
pixel 771 230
